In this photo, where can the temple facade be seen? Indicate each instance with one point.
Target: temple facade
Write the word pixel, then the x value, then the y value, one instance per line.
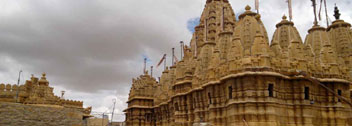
pixel 231 75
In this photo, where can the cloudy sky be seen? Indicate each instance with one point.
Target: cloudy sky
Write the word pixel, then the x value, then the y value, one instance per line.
pixel 93 48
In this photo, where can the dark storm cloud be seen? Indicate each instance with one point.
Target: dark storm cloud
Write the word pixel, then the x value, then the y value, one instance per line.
pixel 84 44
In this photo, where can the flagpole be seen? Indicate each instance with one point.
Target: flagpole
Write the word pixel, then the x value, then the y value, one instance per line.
pixel 151 71
pixel 145 65
pixel 326 14
pixel 257 6
pixel 181 49
pixel 173 55
pixel 290 9
pixel 165 63
pixel 161 60
pixel 315 12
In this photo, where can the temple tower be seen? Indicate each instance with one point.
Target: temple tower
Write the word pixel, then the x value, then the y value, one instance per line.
pixel 341 40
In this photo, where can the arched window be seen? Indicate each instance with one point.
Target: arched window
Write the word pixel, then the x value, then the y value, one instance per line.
pixel 339 92
pixel 194 102
pixel 209 97
pixel 306 93
pixel 271 90
pixel 230 92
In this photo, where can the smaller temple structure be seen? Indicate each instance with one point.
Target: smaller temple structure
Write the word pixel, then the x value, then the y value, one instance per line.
pixel 37 92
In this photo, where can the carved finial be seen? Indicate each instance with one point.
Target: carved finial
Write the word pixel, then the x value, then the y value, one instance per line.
pixel 32 75
pixel 257 16
pixel 43 76
pixel 284 17
pixel 248 8
pixel 337 12
pixel 43 80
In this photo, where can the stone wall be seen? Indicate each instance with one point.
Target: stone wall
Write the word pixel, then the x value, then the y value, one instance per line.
pixel 13 114
pixel 97 122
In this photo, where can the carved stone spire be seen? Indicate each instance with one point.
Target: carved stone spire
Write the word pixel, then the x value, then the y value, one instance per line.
pixel 317 38
pixel 285 33
pixel 215 12
pixel 341 39
pixel 248 28
pixel 295 50
pixel 327 54
pixel 259 47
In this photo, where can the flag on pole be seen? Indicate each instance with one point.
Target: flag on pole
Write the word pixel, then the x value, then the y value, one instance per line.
pixel 161 61
pixel 326 14
pixel 145 66
pixel 321 4
pixel 290 9
pixel 257 5
pixel 175 59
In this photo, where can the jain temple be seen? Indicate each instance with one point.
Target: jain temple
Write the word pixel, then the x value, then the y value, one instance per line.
pixel 231 74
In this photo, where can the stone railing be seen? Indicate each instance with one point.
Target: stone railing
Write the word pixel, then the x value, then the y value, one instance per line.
pixel 72 103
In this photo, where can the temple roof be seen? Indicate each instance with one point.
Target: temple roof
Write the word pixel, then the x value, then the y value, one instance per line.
pixel 216 17
pixel 248 27
pixel 285 33
pixel 317 37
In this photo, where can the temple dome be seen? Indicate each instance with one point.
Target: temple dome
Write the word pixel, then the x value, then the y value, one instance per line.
pixel 317 37
pixel 248 27
pixel 285 33
pixel 341 40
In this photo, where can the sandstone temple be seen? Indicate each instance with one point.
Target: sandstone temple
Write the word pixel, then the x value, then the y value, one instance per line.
pixel 232 75
pixel 34 104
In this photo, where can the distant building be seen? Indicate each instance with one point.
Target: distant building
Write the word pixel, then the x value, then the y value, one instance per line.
pixel 36 102
pixel 231 76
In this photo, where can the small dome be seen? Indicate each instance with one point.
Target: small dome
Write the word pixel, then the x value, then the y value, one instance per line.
pixel 43 80
pixel 285 33
pixel 248 27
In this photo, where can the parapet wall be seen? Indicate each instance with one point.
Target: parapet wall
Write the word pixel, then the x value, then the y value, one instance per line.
pixel 8 92
pixel 14 114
